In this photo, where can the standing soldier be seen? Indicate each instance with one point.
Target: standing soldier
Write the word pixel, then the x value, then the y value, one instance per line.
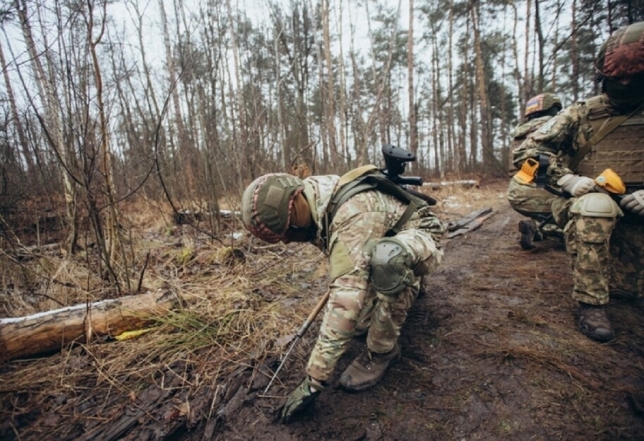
pixel 595 157
pixel 524 195
pixel 380 240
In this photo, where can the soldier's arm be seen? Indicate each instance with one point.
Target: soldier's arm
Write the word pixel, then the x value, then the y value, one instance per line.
pixel 555 139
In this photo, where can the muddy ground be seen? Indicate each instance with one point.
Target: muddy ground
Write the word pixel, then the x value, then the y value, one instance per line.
pixel 490 352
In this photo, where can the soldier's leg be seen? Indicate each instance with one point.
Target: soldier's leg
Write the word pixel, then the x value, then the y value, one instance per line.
pixel 392 303
pixel 627 259
pixel 349 289
pixel 398 265
pixel 364 320
pixel 535 203
pixel 592 219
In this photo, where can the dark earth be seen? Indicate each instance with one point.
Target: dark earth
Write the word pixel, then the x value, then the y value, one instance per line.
pixel 489 352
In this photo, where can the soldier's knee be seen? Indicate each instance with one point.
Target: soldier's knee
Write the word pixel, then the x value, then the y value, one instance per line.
pixel 391 267
pixel 595 216
pixel 596 205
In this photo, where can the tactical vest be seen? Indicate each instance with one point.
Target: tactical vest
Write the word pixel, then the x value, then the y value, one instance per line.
pixel 621 150
pixel 370 178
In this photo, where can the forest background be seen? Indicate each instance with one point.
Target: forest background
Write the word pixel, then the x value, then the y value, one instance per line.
pixel 108 103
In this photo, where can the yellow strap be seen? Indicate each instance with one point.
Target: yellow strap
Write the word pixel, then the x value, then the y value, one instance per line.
pixel 356 173
pixel 528 171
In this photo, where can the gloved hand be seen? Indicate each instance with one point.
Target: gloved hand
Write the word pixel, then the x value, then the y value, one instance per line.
pixel 576 185
pixel 301 398
pixel 634 202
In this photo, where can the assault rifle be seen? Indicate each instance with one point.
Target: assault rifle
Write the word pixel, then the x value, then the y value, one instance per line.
pixel 396 160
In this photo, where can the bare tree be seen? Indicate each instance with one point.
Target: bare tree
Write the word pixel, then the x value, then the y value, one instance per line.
pixel 413 127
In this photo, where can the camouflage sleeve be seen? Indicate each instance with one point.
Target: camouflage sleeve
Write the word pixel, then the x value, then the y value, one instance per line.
pixel 557 139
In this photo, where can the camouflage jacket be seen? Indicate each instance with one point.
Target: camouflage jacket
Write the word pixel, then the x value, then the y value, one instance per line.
pixel 319 191
pixel 560 138
pixel 519 134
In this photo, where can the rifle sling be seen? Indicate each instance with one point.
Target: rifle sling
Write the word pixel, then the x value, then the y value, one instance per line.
pixel 365 183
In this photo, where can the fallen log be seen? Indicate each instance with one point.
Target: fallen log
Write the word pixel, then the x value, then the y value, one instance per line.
pixel 48 332
pixel 460 223
pixel 474 225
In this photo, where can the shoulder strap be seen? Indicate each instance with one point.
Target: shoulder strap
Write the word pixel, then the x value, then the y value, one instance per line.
pixel 361 179
pixel 606 128
pixel 355 174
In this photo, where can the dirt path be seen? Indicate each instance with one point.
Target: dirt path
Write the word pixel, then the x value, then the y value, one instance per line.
pixel 490 353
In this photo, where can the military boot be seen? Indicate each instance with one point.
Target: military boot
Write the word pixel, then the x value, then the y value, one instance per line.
pixel 528 229
pixel 368 369
pixel 593 322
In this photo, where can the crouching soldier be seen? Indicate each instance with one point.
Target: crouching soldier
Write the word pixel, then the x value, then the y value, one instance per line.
pixel 380 241
pixel 526 195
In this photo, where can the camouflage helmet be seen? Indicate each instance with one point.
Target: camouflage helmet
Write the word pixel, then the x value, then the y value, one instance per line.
pixel 623 53
pixel 542 103
pixel 267 203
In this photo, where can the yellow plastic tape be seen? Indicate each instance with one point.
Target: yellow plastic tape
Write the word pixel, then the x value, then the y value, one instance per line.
pixel 528 171
pixel 610 181
pixel 128 335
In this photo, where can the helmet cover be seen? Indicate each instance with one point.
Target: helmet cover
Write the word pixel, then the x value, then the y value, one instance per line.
pixel 541 103
pixel 623 53
pixel 267 204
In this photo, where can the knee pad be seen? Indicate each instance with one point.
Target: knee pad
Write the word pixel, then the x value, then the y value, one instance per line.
pixel 391 267
pixel 596 205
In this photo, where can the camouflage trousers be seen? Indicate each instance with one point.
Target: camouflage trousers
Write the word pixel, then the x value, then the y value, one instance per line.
pixel 530 200
pixel 607 253
pixel 354 304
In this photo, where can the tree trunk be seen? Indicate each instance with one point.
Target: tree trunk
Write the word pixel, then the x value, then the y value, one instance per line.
pixel 515 52
pixel 413 128
pixel 22 139
pixel 51 331
pixel 330 88
pixel 574 54
pixel 454 158
pixel 52 124
pixel 537 28
pixel 527 81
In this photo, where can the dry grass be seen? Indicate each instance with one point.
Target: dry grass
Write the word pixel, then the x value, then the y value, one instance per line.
pixel 233 315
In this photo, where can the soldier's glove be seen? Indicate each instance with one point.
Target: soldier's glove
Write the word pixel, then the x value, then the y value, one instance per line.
pixel 634 202
pixel 301 397
pixel 576 185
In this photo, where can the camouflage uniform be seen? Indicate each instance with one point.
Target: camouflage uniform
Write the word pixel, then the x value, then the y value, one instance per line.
pixel 356 228
pixel 605 250
pixel 528 199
